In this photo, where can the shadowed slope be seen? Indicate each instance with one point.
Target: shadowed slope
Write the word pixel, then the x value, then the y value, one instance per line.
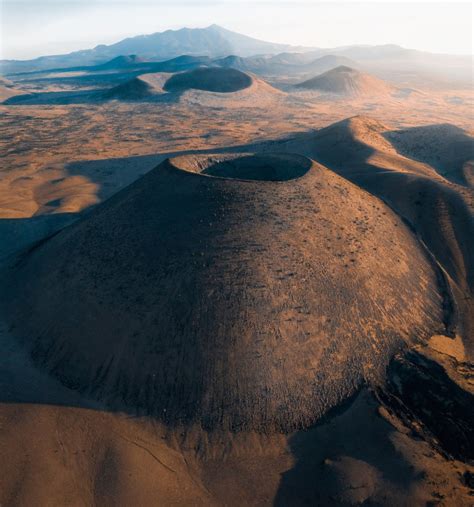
pixel 141 87
pixel 131 90
pixel 347 82
pixel 121 62
pixel 447 148
pixel 223 80
pixel 360 149
pixel 231 303
pixel 233 61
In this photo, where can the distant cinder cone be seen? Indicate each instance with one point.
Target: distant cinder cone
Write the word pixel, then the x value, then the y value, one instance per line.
pixel 213 79
pixel 348 82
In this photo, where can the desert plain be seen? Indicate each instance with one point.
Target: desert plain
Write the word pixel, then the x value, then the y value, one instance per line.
pixel 234 283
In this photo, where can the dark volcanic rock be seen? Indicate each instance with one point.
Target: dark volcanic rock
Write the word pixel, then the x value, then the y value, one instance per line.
pixel 421 390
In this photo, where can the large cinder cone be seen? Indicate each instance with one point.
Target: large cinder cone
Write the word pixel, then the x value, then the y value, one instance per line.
pixel 237 291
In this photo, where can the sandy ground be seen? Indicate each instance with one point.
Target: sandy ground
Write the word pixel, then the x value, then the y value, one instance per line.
pixel 61 448
pixel 60 158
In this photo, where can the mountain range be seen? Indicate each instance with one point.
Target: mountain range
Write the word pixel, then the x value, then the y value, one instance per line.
pixel 387 61
pixel 213 41
pixel 217 42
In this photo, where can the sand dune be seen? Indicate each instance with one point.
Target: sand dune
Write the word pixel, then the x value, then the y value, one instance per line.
pixel 347 82
pixel 48 191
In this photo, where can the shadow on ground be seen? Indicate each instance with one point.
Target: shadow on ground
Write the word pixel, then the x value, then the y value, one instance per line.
pixel 347 459
pixel 83 97
pixel 445 147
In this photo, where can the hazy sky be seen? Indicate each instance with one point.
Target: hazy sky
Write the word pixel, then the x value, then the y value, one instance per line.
pixel 32 28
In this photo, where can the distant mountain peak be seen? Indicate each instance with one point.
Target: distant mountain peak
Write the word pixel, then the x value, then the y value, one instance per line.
pixel 212 41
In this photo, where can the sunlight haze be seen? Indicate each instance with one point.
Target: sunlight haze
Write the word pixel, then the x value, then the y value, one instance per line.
pixel 31 29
